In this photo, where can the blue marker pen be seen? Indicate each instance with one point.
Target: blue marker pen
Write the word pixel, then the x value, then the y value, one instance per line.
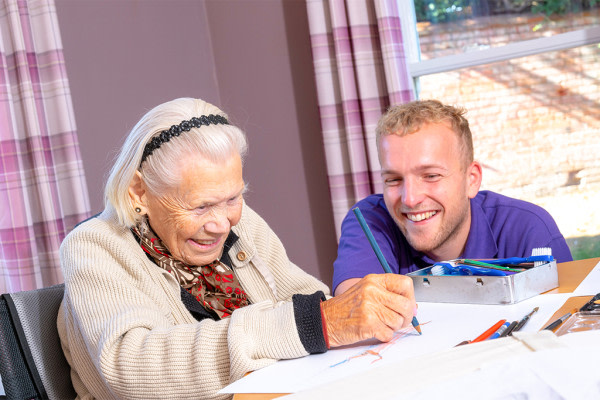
pixel 500 331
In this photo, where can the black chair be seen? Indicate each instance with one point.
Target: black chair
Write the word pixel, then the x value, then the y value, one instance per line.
pixel 32 363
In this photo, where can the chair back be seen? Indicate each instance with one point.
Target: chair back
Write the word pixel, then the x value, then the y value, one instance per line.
pixel 32 363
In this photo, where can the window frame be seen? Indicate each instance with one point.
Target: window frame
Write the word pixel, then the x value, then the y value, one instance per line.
pixel 418 67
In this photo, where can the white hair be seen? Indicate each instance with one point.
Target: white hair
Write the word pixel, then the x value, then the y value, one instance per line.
pixel 214 142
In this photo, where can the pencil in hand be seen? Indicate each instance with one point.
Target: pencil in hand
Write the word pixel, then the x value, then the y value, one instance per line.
pixel 415 323
pixel 378 253
pixel 372 241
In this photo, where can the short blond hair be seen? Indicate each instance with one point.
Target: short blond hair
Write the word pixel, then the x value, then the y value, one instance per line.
pixel 408 118
pixel 215 142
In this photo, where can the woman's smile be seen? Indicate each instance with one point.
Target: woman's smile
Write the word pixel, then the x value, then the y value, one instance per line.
pixel 206 244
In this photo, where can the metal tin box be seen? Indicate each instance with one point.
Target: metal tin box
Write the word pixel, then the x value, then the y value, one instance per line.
pixel 508 289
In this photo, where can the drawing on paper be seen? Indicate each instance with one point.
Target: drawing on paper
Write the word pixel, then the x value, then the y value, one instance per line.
pixel 377 350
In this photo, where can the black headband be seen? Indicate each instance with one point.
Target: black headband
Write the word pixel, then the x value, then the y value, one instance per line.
pixel 175 130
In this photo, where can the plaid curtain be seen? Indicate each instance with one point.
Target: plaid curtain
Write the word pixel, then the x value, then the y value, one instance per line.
pixel 43 193
pixel 360 70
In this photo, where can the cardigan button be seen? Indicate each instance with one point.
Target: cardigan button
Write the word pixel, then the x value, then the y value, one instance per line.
pixel 241 256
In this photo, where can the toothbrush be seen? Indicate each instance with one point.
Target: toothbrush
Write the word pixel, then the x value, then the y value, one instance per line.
pixel 541 251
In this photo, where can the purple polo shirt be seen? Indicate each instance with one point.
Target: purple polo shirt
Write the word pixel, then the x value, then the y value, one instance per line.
pixel 500 227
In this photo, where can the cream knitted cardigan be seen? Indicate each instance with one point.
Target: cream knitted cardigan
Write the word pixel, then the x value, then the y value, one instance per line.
pixel 127 335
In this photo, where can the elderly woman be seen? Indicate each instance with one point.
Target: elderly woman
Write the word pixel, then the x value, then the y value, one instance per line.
pixel 178 288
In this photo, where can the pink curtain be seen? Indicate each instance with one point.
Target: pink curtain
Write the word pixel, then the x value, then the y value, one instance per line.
pixel 43 193
pixel 360 70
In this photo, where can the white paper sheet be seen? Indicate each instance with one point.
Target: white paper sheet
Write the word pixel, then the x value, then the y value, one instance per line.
pixel 444 325
pixel 560 369
pixel 568 373
pixel 560 374
pixel 590 286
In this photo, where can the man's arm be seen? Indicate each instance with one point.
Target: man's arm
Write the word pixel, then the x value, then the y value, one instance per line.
pixel 345 285
pixel 356 257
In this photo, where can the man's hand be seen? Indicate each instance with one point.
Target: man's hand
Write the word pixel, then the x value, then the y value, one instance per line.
pixel 376 306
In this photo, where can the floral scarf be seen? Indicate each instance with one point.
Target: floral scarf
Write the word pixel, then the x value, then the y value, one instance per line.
pixel 214 285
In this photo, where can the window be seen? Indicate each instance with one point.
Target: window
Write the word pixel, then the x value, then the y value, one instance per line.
pixel 530 80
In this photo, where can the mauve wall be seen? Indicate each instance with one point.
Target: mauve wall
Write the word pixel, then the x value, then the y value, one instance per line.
pixel 251 58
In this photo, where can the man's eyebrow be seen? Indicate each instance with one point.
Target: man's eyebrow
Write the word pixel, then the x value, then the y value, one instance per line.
pixel 419 168
pixel 431 166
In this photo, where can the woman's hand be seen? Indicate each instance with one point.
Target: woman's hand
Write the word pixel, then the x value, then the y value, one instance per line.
pixel 377 306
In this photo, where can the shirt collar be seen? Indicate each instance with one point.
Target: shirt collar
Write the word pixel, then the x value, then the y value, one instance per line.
pixel 420 259
pixel 481 242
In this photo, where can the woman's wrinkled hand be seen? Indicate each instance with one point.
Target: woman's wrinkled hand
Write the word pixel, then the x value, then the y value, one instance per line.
pixel 375 307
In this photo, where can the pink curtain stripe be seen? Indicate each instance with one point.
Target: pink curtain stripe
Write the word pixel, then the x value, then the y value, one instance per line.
pixel 43 192
pixel 360 70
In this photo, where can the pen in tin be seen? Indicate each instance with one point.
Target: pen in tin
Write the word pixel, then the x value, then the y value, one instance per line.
pixel 488 265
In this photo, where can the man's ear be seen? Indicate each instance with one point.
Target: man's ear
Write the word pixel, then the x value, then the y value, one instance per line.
pixel 137 193
pixel 474 177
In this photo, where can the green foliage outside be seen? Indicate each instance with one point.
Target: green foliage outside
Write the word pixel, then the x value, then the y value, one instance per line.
pixel 584 247
pixel 441 10
pixel 551 7
pixel 450 10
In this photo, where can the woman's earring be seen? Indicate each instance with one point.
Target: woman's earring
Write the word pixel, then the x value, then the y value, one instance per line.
pixel 138 210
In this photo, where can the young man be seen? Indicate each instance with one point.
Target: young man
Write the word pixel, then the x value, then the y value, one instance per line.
pixel 431 208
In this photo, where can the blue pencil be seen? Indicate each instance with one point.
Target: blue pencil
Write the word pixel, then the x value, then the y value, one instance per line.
pixel 379 254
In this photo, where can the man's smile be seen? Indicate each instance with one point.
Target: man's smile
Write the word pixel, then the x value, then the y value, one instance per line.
pixel 418 217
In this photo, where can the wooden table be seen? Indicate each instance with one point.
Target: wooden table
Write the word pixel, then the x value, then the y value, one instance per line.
pixel 570 275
